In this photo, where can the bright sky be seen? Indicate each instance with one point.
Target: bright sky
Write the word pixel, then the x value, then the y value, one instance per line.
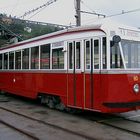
pixel 63 11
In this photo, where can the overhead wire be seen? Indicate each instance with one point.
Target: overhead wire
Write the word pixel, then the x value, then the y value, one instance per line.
pixel 104 16
pixel 92 11
pixel 9 31
pixel 36 9
pixel 123 12
pixel 82 2
pixel 118 14
pixel 42 7
pixel 36 13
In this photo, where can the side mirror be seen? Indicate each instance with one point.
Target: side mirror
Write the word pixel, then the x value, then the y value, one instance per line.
pixel 116 39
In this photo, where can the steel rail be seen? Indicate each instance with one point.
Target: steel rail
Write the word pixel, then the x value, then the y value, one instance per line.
pixel 19 130
pixel 49 124
pixel 117 118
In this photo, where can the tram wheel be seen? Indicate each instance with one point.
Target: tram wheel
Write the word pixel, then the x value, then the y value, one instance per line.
pixel 53 102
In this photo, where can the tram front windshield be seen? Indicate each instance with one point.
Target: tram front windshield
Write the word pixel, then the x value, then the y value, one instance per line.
pixel 131 52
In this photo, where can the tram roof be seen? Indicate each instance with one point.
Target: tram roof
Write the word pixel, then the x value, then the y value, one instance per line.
pixel 124 31
pixel 110 28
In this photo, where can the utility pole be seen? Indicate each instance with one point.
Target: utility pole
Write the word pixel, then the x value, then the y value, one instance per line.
pixel 78 13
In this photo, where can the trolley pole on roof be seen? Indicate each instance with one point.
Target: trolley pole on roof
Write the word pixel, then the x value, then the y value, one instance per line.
pixel 78 13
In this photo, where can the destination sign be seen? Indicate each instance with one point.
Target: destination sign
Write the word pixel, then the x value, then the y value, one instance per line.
pixel 130 33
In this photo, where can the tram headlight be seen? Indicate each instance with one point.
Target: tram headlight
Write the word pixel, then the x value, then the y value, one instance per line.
pixel 136 88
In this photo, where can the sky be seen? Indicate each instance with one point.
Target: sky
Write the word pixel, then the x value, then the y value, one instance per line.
pixel 63 11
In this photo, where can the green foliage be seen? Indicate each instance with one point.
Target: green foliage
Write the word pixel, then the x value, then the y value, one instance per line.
pixel 38 30
pixel 18 27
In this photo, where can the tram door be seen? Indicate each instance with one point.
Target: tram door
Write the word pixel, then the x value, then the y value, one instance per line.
pixel 92 68
pixel 84 69
pixel 75 76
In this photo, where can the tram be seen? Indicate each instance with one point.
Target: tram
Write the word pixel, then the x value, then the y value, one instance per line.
pixel 94 67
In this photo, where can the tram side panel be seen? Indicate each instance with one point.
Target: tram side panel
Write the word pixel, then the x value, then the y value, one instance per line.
pixel 18 83
pixel 6 80
pixel 118 92
pixel 93 95
pixel 30 84
pixel 69 87
pixel 108 90
pixel 53 84
pixel 88 94
pixel 75 89
pixel 99 94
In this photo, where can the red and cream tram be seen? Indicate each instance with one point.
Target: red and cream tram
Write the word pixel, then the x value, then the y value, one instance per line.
pixel 93 68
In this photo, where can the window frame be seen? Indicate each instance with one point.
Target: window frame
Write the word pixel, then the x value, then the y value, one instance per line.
pixel 7 65
pixel 1 61
pixel 48 45
pixel 16 62
pixel 28 58
pixel 55 48
pixel 12 52
pixel 34 64
pixel 85 51
pixel 80 54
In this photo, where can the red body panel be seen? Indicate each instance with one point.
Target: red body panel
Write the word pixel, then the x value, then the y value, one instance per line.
pixel 76 90
pixel 30 84
pixel 84 91
pixel 118 88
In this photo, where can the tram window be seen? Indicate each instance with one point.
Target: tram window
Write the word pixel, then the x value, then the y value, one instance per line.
pixel 96 54
pixel 11 60
pixel 131 51
pixel 104 55
pixel 58 58
pixel 35 58
pixel 116 59
pixel 70 55
pixel 5 60
pixel 45 56
pixel 18 59
pixel 134 56
pixel 25 59
pixel 78 55
pixel 88 55
pixel 0 61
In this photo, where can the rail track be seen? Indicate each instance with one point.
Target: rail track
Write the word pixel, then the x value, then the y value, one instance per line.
pixel 125 124
pixel 19 130
pixel 116 122
pixel 42 122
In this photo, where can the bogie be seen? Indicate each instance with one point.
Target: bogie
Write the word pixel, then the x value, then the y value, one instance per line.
pixel 51 101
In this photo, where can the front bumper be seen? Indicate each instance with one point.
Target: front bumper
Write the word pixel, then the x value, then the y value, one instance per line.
pixel 122 104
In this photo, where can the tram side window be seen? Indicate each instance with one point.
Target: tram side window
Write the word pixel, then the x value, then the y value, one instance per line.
pixel 0 61
pixel 115 56
pixel 35 58
pixel 58 58
pixel 104 55
pixel 96 54
pixel 71 55
pixel 88 63
pixel 45 56
pixel 18 59
pixel 11 60
pixel 5 60
pixel 25 59
pixel 78 55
